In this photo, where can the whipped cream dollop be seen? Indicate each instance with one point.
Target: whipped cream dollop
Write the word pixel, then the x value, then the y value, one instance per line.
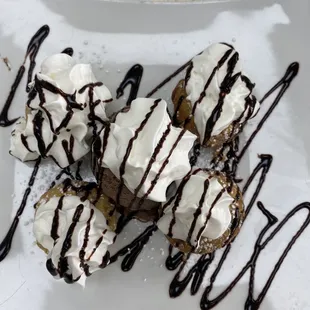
pixel 200 208
pixel 144 150
pixel 218 91
pixel 68 108
pixel 76 236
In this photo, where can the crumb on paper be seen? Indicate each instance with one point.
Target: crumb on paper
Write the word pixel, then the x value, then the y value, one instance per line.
pixel 7 63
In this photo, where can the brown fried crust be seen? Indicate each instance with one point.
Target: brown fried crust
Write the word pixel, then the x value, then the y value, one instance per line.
pixel 237 215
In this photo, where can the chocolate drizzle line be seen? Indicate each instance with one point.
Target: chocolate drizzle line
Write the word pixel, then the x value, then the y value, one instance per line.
pixel 133 78
pixel 133 249
pixel 78 171
pixel 55 224
pixel 129 147
pixel 198 211
pixel 196 274
pixel 175 120
pixel 97 145
pixel 68 148
pixel 217 198
pixel 196 152
pixel 63 261
pixel 228 155
pixel 168 79
pixel 225 88
pixel 283 84
pixel 85 242
pixel 151 162
pixel 177 199
pixel 60 174
pixel 32 51
pixel 69 51
pixel 93 104
pixel 173 261
pixel 6 243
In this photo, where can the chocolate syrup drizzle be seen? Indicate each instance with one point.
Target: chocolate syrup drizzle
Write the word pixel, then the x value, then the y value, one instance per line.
pixel 283 84
pixel 69 51
pixel 33 49
pixel 6 243
pixel 31 53
pixel 132 250
pixel 167 80
pixel 133 78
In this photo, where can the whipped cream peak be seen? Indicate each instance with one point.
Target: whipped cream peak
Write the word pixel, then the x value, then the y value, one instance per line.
pixel 76 236
pixel 144 150
pixel 67 109
pixel 199 209
pixel 219 92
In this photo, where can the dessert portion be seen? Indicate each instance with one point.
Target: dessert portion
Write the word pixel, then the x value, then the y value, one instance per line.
pixel 204 214
pixel 139 155
pixel 215 99
pixel 74 226
pixel 66 107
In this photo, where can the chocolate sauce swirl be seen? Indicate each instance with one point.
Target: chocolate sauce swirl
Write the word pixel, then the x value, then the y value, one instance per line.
pixel 167 79
pixel 69 51
pixel 55 224
pixel 31 53
pixel 225 88
pixel 283 84
pixel 33 49
pixel 6 243
pixel 133 78
pixel 173 261
pixel 195 274
pixel 262 241
pixel 132 250
pixel 151 162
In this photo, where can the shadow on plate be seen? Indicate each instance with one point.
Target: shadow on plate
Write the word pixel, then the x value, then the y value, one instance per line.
pixel 62 296
pixel 99 16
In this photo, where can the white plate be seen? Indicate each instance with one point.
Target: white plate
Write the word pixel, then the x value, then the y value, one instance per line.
pixel 114 36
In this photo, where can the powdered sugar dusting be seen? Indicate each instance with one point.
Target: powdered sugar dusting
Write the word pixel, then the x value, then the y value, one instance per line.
pixel 205 158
